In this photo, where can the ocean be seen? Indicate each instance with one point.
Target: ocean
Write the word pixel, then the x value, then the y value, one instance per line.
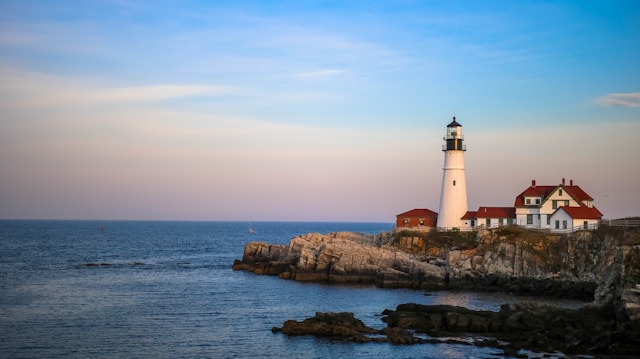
pixel 162 289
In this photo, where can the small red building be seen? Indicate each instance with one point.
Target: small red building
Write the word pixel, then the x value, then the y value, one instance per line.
pixel 419 218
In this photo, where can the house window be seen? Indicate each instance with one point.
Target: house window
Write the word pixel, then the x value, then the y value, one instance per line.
pixel 554 204
pixel 586 225
pixel 422 222
pixel 564 224
pixel 500 221
pixel 529 218
pixel 557 224
pixel 566 203
pixel 537 200
pixel 528 201
pixel 509 220
pixel 548 219
pixel 473 223
pixel 406 221
pixel 454 182
pixel 560 192
pixel 488 221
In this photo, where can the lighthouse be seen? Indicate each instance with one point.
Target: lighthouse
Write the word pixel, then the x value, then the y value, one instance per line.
pixel 453 196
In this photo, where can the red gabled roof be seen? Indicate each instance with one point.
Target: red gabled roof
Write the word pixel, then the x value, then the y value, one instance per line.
pixel 544 191
pixel 469 215
pixel 496 212
pixel 577 193
pixel 418 212
pixel 583 212
pixel 533 191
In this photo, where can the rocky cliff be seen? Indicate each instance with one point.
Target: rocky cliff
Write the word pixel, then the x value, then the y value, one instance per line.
pixel 603 265
pixel 344 257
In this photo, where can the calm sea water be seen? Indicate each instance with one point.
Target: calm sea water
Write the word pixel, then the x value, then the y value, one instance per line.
pixel 166 290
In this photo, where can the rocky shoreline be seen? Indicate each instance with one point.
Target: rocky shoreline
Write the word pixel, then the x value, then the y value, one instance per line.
pixel 602 266
pixel 533 327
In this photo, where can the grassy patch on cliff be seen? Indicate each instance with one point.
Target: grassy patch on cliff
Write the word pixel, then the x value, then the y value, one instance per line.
pixel 513 234
pixel 453 239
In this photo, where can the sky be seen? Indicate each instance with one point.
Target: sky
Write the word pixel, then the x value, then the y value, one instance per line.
pixel 311 110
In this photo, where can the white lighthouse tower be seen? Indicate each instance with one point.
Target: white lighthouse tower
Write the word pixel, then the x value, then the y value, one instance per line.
pixel 453 197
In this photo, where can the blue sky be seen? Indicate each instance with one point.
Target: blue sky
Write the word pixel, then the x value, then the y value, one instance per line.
pixel 311 110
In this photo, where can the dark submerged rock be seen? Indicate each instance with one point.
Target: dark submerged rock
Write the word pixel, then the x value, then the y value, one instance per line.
pixel 337 325
pixel 530 326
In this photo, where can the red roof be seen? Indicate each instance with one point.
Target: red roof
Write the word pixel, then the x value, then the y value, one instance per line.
pixel 544 191
pixel 533 191
pixel 469 215
pixel 583 212
pixel 418 212
pixel 577 193
pixel 496 212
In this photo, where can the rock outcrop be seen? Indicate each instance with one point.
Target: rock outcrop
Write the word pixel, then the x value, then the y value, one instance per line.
pixel 345 326
pixel 531 326
pixel 601 266
pixel 342 324
pixel 343 257
pixel 507 259
pixel 589 330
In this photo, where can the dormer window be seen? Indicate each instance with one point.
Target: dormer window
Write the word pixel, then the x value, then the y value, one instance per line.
pixel 528 201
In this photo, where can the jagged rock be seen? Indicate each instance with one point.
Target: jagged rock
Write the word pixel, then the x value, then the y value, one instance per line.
pixel 399 336
pixel 600 266
pixel 603 266
pixel 342 324
pixel 531 326
pixel 342 257
pixel 505 260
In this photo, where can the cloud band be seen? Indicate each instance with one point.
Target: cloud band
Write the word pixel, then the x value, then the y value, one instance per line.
pixel 631 99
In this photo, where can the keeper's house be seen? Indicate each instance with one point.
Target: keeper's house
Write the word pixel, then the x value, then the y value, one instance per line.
pixel 558 208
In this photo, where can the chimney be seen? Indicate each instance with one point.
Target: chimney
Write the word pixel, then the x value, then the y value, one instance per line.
pixel 533 183
pixel 570 182
pixel 563 181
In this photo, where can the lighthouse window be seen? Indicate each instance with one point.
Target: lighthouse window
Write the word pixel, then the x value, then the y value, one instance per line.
pixel 454 182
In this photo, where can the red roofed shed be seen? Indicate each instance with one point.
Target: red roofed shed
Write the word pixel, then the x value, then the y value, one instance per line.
pixel 417 218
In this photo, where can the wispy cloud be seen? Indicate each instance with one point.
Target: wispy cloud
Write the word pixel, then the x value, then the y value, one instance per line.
pixel 320 74
pixel 30 89
pixel 631 99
